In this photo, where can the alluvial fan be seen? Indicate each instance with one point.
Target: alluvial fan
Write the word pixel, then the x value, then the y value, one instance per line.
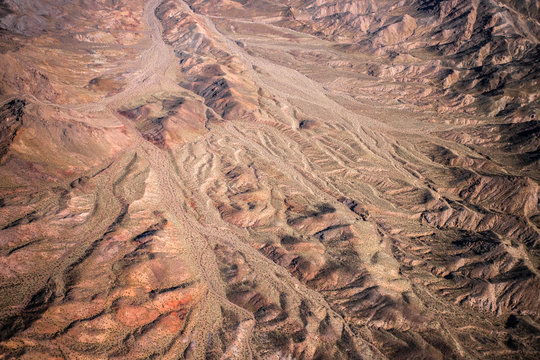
pixel 269 179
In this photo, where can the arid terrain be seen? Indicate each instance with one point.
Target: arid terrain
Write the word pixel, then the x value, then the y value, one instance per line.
pixel 269 179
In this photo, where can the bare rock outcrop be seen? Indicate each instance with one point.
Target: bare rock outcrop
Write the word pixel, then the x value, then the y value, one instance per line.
pixel 286 179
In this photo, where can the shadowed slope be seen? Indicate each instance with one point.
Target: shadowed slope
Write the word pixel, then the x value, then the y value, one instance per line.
pixel 269 179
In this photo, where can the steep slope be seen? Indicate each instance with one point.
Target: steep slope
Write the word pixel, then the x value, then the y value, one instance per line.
pixel 269 179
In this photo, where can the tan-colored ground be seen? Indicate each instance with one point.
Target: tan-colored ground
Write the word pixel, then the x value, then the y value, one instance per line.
pixel 269 180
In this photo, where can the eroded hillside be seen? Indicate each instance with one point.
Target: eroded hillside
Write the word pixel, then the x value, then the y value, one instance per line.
pixel 269 179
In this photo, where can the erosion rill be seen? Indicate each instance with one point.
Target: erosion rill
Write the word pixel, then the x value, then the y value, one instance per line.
pixel 269 179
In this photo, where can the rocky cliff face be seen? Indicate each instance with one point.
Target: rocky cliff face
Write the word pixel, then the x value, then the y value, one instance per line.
pixel 269 179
